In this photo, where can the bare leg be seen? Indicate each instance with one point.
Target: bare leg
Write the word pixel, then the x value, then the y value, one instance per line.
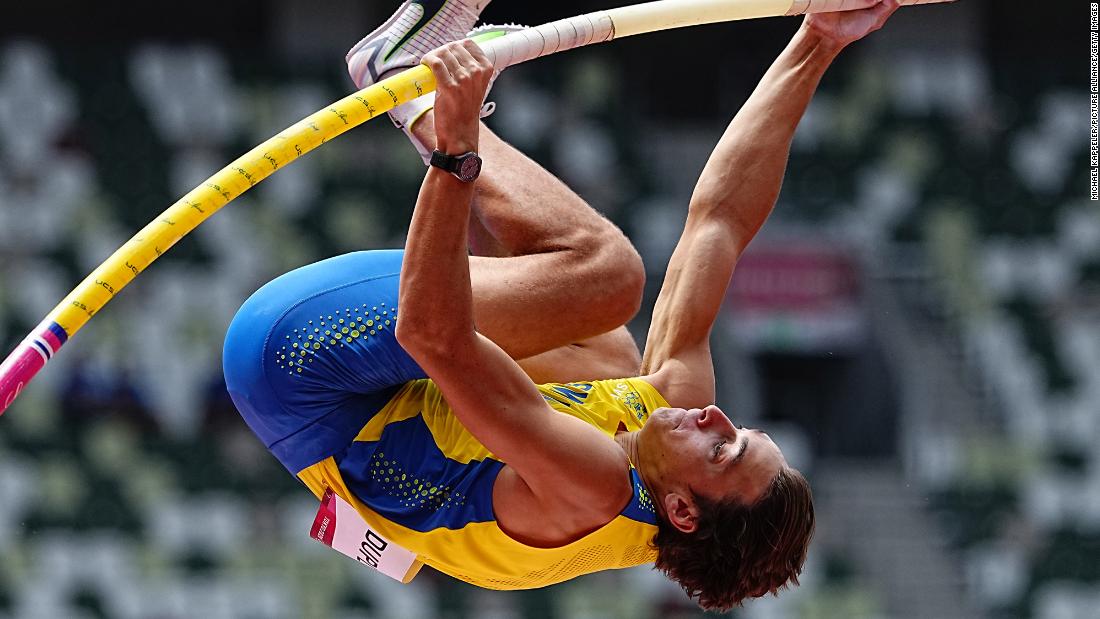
pixel 611 355
pixel 552 272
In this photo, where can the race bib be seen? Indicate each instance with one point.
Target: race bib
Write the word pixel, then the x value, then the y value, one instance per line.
pixel 341 528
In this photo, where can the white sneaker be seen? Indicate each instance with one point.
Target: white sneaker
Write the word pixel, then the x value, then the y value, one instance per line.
pixel 367 63
pixel 418 27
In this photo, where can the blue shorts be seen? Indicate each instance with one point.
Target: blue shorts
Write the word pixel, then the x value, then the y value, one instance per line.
pixel 312 356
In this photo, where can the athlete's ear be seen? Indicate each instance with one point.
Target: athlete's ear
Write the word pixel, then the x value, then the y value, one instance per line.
pixel 682 512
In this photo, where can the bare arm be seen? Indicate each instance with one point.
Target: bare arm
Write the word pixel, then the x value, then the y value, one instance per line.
pixel 734 196
pixel 558 458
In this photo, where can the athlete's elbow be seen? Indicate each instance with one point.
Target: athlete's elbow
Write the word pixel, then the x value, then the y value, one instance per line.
pixel 413 333
pixel 429 337
pixel 422 322
pixel 412 329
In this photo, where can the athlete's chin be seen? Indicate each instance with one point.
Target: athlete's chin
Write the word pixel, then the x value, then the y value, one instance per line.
pixel 668 419
pixel 663 415
pixel 660 421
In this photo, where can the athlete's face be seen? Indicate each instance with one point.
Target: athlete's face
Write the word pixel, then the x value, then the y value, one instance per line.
pixel 701 452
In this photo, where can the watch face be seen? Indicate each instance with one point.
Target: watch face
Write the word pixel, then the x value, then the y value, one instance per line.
pixel 470 168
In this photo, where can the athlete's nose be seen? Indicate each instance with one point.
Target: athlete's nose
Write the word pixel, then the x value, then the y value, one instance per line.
pixel 712 415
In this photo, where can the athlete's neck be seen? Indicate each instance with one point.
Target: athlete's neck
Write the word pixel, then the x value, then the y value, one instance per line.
pixel 629 443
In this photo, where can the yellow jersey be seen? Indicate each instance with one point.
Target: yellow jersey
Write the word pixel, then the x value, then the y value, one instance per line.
pixel 421 480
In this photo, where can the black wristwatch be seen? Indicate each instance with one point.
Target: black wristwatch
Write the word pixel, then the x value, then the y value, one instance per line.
pixel 466 167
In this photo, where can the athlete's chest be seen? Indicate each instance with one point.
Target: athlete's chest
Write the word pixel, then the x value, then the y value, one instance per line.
pixel 611 406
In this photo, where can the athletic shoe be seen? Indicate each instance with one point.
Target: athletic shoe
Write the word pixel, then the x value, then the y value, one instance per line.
pixel 418 27
pixel 364 60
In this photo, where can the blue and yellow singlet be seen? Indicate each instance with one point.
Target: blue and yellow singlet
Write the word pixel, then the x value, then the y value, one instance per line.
pixel 312 364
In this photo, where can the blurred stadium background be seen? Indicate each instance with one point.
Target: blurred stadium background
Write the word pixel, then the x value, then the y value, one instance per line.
pixel 918 326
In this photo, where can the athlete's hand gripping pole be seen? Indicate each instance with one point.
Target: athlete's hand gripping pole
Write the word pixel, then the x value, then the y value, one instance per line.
pixel 31 355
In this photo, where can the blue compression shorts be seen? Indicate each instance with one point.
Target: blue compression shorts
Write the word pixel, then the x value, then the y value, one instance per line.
pixel 312 356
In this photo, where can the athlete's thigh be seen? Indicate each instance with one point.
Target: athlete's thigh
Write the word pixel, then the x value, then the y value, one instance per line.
pixel 611 355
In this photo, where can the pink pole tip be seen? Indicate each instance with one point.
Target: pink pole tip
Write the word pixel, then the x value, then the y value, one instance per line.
pixel 18 370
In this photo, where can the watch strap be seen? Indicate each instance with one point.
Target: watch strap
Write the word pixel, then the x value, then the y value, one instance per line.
pixel 444 161
pixel 455 164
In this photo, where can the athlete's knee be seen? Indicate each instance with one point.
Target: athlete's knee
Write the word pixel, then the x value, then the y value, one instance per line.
pixel 618 268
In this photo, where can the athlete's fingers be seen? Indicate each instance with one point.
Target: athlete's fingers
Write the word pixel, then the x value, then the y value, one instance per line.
pixel 454 66
pixel 462 55
pixel 472 71
pixel 462 60
pixel 885 10
pixel 449 67
pixel 477 72
pixel 478 54
pixel 442 73
pixel 879 14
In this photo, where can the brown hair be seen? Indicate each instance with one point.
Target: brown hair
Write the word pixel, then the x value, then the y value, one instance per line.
pixel 737 550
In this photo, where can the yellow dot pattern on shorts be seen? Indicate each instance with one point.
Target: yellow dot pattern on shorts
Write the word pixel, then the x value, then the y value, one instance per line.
pixel 411 491
pixel 328 332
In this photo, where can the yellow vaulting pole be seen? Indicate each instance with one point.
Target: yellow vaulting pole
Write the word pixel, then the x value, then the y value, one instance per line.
pixel 257 164
pixel 231 181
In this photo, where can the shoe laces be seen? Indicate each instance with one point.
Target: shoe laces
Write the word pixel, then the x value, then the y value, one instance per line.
pixel 472 14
